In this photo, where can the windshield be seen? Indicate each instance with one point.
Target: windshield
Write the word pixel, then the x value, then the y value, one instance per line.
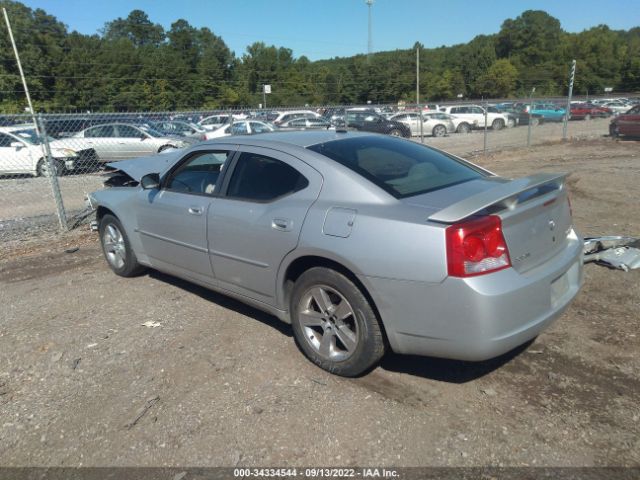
pixel 29 135
pixel 402 168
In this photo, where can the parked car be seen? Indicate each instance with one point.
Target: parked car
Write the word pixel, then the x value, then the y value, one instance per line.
pixel 368 121
pixel 119 141
pixel 547 112
pixel 513 119
pixel 362 242
pixel 306 124
pixel 242 127
pixel 434 123
pixel 586 111
pixel 21 153
pixel 473 116
pixel 627 124
pixel 287 115
pixel 213 122
pixel 178 128
pixel 617 106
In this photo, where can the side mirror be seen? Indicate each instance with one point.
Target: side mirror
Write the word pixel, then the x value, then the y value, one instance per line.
pixel 17 144
pixel 151 181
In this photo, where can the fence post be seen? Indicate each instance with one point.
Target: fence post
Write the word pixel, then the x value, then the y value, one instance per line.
pixel 53 176
pixel 486 106
pixel 567 113
pixel 530 117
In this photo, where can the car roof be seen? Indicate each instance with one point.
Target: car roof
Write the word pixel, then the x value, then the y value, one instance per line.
pixel 303 139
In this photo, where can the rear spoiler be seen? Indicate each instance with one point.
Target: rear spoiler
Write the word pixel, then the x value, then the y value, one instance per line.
pixel 505 193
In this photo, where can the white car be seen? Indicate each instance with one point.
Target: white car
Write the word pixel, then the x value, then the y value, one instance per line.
pixel 617 106
pixel 243 127
pixel 437 124
pixel 214 122
pixel 285 116
pixel 472 116
pixel 21 153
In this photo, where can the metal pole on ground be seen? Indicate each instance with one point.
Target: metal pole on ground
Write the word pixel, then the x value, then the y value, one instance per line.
pixel 567 113
pixel 41 132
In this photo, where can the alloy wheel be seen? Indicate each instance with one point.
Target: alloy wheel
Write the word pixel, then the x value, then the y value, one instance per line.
pixel 328 323
pixel 114 246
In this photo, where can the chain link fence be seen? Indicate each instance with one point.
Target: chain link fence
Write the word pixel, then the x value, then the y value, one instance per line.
pixel 47 167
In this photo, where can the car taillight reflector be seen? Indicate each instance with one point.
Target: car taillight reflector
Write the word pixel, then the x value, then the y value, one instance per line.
pixel 476 247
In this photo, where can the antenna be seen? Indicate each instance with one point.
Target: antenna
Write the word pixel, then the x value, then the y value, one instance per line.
pixel 370 44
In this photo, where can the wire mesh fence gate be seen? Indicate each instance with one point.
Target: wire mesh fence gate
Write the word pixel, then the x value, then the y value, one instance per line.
pixel 46 173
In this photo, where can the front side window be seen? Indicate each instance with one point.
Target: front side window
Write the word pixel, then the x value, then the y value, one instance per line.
pixel 198 175
pixel 263 179
pixel 127 131
pixel 401 168
pixel 101 131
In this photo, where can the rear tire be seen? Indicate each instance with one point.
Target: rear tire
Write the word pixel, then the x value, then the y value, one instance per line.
pixel 613 131
pixel 535 121
pixel 117 248
pixel 511 123
pixel 165 147
pixel 463 128
pixel 439 131
pixel 334 324
pixel 498 124
pixel 394 132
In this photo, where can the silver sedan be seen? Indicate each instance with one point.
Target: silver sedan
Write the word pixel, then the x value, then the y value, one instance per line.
pixel 436 124
pixel 362 242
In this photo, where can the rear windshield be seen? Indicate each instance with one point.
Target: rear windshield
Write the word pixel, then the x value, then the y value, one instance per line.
pixel 401 167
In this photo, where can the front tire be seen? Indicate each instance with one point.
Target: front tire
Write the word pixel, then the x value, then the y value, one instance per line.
pixel 43 170
pixel 463 128
pixel 334 324
pixel 498 124
pixel 117 248
pixel 395 132
pixel 165 147
pixel 439 131
pixel 511 123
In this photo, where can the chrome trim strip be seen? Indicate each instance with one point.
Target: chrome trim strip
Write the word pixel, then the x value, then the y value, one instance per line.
pixel 239 259
pixel 175 242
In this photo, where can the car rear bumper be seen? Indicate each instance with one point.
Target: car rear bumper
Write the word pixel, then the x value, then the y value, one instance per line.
pixel 479 317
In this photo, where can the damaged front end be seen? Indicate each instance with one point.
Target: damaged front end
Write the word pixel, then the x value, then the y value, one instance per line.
pixel 622 253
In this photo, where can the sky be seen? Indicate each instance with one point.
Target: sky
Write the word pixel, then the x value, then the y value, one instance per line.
pixel 329 28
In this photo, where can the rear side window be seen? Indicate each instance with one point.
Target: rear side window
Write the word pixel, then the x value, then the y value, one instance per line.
pixel 263 179
pixel 400 167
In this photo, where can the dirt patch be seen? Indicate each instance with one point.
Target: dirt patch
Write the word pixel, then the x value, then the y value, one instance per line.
pixel 83 382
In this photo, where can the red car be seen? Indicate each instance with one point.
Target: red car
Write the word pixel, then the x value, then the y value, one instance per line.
pixel 586 111
pixel 626 123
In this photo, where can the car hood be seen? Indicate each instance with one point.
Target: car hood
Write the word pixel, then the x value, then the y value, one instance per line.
pixel 137 168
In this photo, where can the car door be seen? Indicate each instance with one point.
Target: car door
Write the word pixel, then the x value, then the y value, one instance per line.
pixel 14 158
pixel 133 142
pixel 101 139
pixel 172 221
pixel 258 219
pixel 629 123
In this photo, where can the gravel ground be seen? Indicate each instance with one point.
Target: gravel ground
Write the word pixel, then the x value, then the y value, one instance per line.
pixel 28 202
pixel 83 382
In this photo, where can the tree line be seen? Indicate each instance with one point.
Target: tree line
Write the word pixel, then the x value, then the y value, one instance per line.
pixel 134 64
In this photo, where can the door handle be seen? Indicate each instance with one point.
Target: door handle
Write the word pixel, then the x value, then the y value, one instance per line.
pixel 195 210
pixel 281 224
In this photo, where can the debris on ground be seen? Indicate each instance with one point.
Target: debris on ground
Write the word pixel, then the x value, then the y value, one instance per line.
pixel 151 324
pixel 72 250
pixel 143 411
pixel 617 252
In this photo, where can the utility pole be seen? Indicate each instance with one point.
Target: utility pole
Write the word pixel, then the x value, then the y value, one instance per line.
pixel 418 94
pixel 530 117
pixel 370 42
pixel 567 113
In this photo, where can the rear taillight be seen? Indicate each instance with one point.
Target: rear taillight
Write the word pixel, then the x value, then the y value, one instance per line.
pixel 476 247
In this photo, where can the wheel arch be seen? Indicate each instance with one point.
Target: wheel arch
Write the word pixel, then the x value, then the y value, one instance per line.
pixel 294 266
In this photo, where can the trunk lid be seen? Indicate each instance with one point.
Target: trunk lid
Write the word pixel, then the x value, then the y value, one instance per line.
pixel 535 213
